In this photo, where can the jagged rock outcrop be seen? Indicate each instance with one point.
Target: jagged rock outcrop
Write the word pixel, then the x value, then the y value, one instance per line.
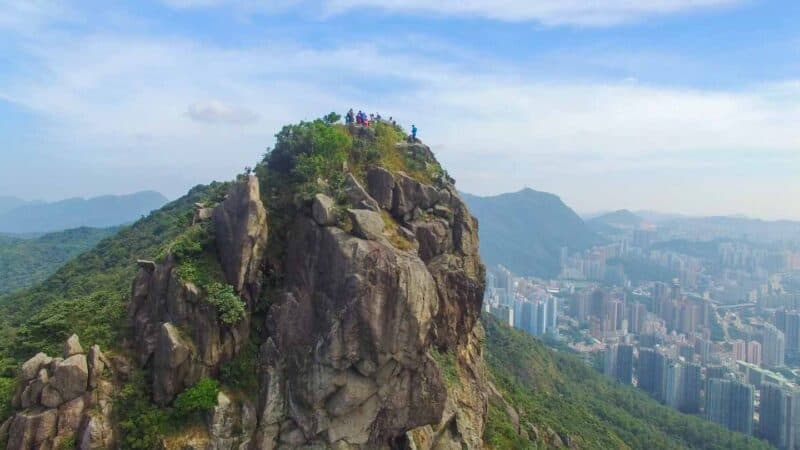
pixel 348 362
pixel 177 332
pixel 63 402
pixel 368 335
pixel 240 226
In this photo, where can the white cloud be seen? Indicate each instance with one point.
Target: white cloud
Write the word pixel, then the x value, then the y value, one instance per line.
pixel 30 15
pixel 547 12
pixel 118 103
pixel 214 111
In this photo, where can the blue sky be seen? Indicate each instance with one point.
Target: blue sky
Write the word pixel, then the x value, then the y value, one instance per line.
pixel 688 106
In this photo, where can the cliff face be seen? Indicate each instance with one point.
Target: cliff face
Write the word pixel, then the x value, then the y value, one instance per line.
pixel 177 333
pixel 363 301
pixel 349 358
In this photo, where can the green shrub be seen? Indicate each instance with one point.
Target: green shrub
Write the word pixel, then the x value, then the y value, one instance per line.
pixel 230 307
pixel 142 424
pixel 331 118
pixel 198 398
pixel 68 444
pixel 193 241
pixel 6 392
pixel 447 366
pixel 241 372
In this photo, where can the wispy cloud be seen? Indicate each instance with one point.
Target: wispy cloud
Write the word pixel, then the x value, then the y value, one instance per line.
pixel 134 108
pixel 547 12
pixel 214 111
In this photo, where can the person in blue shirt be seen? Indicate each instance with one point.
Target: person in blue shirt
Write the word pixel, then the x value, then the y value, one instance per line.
pixel 413 133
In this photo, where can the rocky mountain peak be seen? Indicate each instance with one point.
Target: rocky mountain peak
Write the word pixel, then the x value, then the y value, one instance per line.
pixel 349 261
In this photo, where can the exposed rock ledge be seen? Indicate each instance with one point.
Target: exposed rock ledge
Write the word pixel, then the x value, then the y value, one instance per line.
pixel 63 401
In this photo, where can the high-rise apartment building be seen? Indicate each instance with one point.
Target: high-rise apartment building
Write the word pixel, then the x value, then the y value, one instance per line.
pixel 773 347
pixel 778 415
pixel 730 404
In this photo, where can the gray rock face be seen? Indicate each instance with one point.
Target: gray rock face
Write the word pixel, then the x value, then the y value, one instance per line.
pixel 409 194
pixel 357 195
pixel 366 224
pixel 231 424
pixel 57 404
pixel 97 434
pixel 369 313
pixel 172 373
pixel 32 429
pixel 31 367
pixel 240 224
pixel 72 346
pixel 380 184
pixel 97 365
pixel 174 326
pixel 323 209
pixel 71 377
pixel 359 304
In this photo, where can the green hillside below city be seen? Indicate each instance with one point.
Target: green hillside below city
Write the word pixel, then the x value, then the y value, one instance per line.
pixel 565 402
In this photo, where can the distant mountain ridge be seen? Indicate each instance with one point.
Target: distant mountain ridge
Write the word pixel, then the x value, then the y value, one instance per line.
pixel 526 230
pixel 97 212
pixel 620 219
pixel 8 203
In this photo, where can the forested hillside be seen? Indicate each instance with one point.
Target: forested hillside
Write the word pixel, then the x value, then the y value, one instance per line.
pixel 25 262
pixel 87 295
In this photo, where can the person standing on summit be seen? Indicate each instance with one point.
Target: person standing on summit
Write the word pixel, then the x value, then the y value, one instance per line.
pixel 413 133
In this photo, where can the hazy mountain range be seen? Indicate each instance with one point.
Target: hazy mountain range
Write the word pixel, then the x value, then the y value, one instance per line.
pixel 698 228
pixel 20 216
pixel 526 230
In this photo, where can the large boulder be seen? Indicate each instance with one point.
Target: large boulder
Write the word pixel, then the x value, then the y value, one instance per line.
pixel 171 373
pixel 357 196
pixel 240 225
pixel 380 184
pixel 72 346
pixel 323 209
pixel 366 224
pixel 410 194
pixel 64 399
pixel 31 367
pixel 70 378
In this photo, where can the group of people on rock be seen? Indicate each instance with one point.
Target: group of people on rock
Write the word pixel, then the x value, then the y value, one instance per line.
pixel 361 118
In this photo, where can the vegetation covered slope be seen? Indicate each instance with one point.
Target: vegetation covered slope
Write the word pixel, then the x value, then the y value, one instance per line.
pixel 559 392
pixel 25 262
pixel 525 231
pixel 98 212
pixel 87 295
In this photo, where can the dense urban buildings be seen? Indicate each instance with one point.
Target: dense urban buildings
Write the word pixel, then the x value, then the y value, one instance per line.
pixel 715 334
